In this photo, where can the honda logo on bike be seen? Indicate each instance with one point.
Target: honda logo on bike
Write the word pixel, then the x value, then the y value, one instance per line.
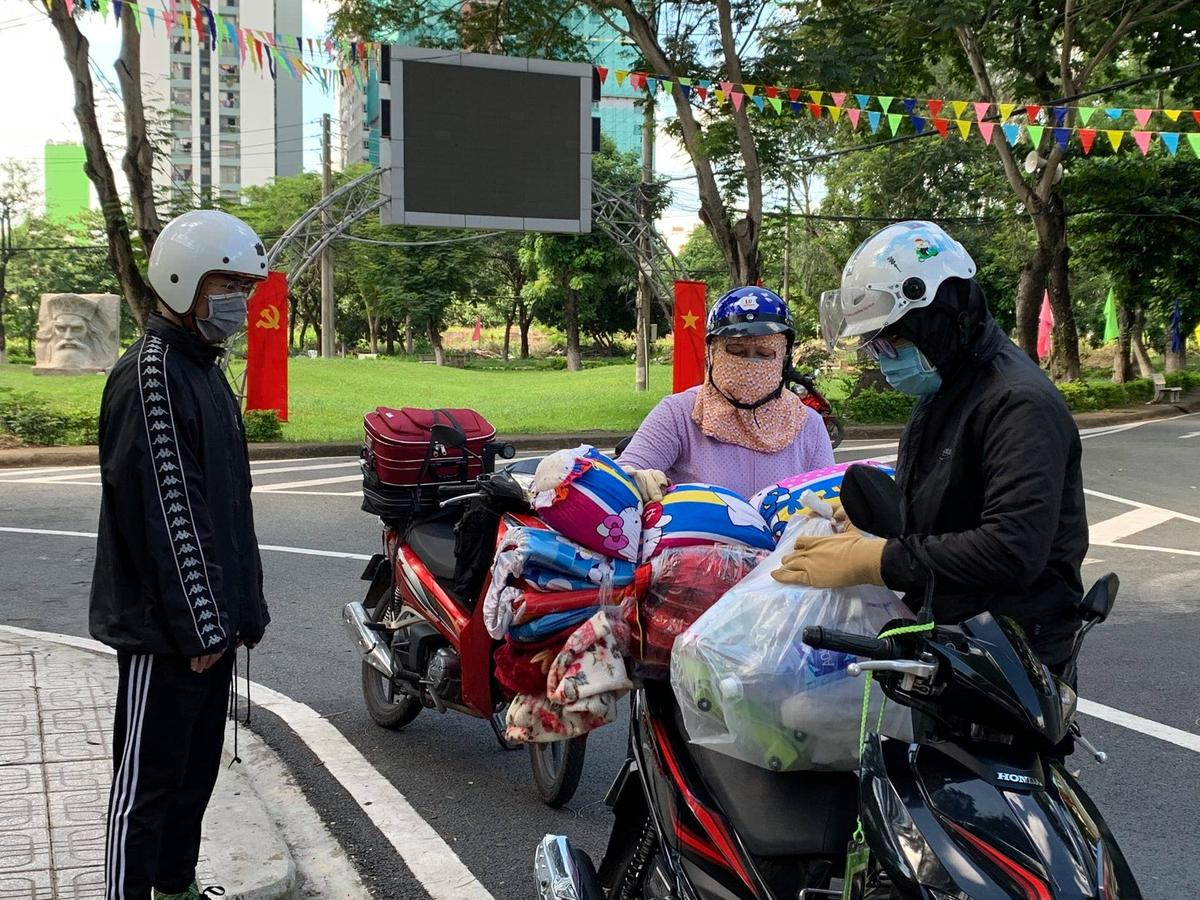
pixel 1016 778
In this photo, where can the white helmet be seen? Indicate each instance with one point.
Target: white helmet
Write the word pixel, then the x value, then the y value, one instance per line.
pixel 896 269
pixel 199 243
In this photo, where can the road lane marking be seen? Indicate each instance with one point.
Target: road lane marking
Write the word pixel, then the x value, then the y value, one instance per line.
pixel 1140 505
pixel 339 465
pixel 1184 437
pixel 431 860
pixel 1148 727
pixel 274 548
pixel 1150 549
pixel 311 482
pixel 1139 519
pixel 314 493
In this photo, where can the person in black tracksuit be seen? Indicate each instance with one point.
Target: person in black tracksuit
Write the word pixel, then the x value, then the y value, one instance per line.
pixel 989 463
pixel 178 581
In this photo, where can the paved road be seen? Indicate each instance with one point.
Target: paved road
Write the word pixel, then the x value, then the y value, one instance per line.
pixel 1143 505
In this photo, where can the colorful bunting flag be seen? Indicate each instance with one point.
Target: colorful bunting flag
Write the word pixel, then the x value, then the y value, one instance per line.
pixel 1143 140
pixel 964 127
pixel 621 76
pixel 981 111
pixel 910 104
pixel 885 102
pixel 738 98
pixel 1086 137
pixel 772 92
pixel 727 87
pixel 1170 140
pixel 874 118
pixel 1172 114
pixel 777 104
pixel 703 92
pixel 918 124
pixel 1060 115
pixel 759 102
pixel 1061 137
pixel 942 125
pixel 1114 138
pixel 1114 112
pixel 1006 110
pixel 600 70
pixel 796 107
pixel 959 107
pixel 1012 131
pixel 794 94
pixel 835 113
pixel 1035 134
pixel 1032 111
pixel 935 107
pixel 749 89
pixel 894 121
pixel 1196 115
pixel 839 98
pixel 864 100
pixel 815 110
pixel 854 113
pixel 1086 113
pixel 720 95
pixel 650 84
pixel 817 96
pixel 1142 116
pixel 1194 141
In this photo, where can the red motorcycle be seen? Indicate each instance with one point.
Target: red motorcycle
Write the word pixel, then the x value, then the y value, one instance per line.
pixel 805 388
pixel 420 628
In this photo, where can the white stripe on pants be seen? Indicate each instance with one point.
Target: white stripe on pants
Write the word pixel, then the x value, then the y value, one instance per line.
pixel 125 779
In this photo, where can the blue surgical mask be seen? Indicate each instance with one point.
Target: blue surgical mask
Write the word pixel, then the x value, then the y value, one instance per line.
pixel 226 316
pixel 910 372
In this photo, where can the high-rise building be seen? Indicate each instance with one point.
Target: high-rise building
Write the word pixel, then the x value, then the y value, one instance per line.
pixel 620 118
pixel 230 126
pixel 68 192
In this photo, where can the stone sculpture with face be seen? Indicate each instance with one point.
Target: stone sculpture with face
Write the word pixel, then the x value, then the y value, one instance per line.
pixel 77 333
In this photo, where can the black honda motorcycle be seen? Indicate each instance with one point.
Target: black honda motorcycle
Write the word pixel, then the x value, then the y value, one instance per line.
pixel 978 806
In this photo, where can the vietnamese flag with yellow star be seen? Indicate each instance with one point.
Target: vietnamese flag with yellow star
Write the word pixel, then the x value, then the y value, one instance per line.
pixel 689 334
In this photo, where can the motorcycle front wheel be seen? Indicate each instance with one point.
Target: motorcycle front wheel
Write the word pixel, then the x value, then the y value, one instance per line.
pixel 837 431
pixel 401 709
pixel 557 767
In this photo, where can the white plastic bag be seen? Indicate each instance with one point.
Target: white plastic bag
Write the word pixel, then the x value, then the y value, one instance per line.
pixel 749 687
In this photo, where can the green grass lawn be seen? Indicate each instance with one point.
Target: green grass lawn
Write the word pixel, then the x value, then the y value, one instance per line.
pixel 328 397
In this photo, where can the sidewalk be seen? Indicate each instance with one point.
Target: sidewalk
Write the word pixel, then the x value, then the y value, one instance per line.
pixel 56 711
pixel 605 440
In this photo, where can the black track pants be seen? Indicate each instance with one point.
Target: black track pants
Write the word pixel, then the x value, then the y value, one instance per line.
pixel 170 724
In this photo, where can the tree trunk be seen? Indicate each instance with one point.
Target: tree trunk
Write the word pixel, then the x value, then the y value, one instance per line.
pixel 435 338
pixel 3 303
pixel 1030 285
pixel 1122 361
pixel 410 344
pixel 1139 346
pixel 373 328
pixel 508 324
pixel 303 332
pixel 1064 356
pixel 138 163
pixel 1174 362
pixel 524 321
pixel 390 340
pixel 293 306
pixel 121 260
pixel 571 314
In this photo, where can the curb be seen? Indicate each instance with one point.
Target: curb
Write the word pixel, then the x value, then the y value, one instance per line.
pixel 89 455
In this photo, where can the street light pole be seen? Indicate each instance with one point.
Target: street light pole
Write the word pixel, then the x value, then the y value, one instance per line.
pixel 327 312
pixel 644 287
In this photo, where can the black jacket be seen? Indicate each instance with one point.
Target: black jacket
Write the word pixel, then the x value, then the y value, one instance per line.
pixel 990 467
pixel 177 564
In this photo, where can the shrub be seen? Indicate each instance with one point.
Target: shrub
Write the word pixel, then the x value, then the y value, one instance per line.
pixel 1079 398
pixel 33 420
pixel 1186 379
pixel 875 407
pixel 1139 390
pixel 263 426
pixel 1106 394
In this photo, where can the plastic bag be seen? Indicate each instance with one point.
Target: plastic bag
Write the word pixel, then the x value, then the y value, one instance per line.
pixel 749 687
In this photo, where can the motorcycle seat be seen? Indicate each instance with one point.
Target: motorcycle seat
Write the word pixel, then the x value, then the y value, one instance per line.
pixel 433 543
pixel 809 814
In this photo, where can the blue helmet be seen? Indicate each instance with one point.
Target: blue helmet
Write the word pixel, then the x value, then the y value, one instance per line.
pixel 749 311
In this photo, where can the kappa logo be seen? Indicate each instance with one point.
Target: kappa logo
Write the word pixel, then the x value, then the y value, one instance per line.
pixel 946 453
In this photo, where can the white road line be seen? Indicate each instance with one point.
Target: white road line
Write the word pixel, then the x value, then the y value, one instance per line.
pixel 1147 547
pixel 1175 736
pixel 313 493
pixel 303 551
pixel 312 482
pixel 1192 434
pixel 341 465
pixel 431 860
pixel 47 470
pixel 1140 505
pixel 1139 519
pixel 846 448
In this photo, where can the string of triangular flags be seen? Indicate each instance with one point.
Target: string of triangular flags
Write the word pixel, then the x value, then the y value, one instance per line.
pixel 926 115
pixel 264 51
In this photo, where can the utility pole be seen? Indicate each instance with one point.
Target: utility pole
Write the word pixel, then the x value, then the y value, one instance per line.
pixel 644 287
pixel 6 253
pixel 787 244
pixel 327 318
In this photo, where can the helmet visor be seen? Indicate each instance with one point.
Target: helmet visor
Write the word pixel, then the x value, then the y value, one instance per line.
pixel 855 313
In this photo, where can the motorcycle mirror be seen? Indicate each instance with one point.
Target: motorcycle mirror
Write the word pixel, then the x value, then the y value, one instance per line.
pixel 1098 602
pixel 448 435
pixel 873 501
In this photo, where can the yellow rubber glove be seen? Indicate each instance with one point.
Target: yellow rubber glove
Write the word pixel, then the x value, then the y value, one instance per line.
pixel 839 560
pixel 651 483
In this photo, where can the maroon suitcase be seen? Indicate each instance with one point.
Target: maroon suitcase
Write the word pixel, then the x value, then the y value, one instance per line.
pixel 399 448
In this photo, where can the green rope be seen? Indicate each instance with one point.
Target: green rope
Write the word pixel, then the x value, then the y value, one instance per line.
pixel 866 705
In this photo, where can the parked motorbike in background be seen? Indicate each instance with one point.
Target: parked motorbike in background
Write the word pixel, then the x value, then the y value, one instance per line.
pixel 420 628
pixel 979 806
pixel 805 387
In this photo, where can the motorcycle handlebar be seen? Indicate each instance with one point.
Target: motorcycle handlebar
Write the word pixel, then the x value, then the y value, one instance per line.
pixel 856 644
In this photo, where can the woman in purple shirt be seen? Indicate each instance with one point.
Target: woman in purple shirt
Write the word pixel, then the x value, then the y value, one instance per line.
pixel 742 429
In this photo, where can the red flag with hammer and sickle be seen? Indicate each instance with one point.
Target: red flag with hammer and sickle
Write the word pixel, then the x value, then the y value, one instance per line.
pixel 266 346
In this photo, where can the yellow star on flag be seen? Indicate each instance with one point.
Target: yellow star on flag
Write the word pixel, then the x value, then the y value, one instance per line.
pixel 690 320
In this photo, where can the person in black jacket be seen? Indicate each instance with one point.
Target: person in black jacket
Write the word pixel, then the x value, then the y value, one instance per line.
pixel 178 581
pixel 989 462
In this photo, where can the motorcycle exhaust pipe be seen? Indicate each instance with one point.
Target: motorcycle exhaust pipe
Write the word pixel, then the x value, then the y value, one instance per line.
pixel 356 622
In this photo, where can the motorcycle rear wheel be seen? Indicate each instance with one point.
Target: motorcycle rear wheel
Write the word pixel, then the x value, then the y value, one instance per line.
pixel 837 431
pixel 392 714
pixel 557 767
